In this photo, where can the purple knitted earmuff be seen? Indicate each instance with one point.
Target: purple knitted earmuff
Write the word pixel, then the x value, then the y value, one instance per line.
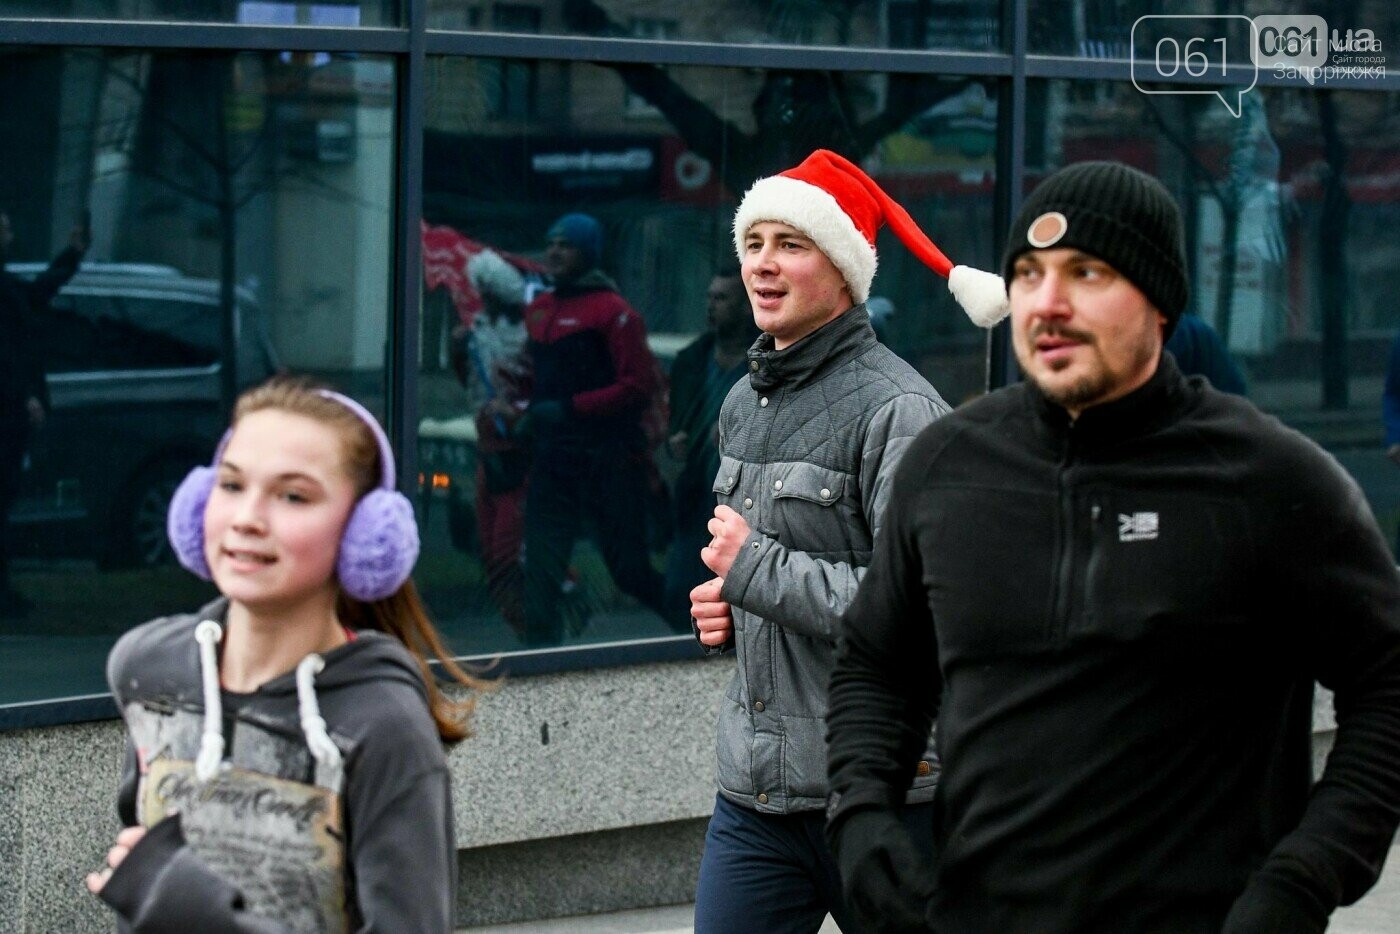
pixel 377 551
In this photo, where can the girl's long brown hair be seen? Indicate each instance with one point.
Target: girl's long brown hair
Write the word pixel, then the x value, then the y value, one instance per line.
pixel 402 614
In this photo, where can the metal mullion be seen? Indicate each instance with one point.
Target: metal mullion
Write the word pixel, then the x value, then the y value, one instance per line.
pixel 1011 174
pixel 1062 66
pixel 223 36
pixel 81 709
pixel 401 403
pixel 646 51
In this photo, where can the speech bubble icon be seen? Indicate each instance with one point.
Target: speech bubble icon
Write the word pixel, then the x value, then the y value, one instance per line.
pixel 1185 50
pixel 1292 42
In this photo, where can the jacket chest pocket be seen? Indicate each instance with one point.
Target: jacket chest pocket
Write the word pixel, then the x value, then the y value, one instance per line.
pixel 726 486
pixel 815 510
pixel 1167 566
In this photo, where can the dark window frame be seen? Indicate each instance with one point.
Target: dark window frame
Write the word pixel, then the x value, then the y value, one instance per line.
pixel 513 86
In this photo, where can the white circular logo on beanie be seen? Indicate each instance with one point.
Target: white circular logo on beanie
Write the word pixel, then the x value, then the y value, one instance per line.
pixel 1047 229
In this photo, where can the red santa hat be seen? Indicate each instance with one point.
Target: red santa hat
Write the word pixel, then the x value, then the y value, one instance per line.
pixel 841 208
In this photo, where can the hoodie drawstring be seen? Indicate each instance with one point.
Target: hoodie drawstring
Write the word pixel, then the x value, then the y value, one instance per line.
pixel 325 752
pixel 211 743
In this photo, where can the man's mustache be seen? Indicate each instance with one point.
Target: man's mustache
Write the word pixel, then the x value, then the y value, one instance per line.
pixel 1055 329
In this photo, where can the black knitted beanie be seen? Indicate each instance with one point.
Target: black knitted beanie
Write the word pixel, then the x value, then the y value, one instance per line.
pixel 1109 210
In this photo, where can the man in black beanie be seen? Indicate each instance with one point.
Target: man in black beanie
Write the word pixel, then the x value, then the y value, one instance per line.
pixel 1114 587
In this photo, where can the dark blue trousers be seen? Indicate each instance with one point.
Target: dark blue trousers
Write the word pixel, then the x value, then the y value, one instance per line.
pixel 773 873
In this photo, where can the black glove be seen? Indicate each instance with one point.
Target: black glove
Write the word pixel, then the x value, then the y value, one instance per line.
pixel 539 414
pixel 887 882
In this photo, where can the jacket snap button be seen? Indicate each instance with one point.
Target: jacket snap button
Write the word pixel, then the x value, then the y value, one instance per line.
pixel 763 402
pixel 826 494
pixel 924 768
pixel 755 546
pixel 777 484
pixel 748 503
pixel 753 366
pixel 758 705
pixel 762 798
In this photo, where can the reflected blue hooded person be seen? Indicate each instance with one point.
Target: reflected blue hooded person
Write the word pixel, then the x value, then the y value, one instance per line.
pixel 583 232
pixel 881 310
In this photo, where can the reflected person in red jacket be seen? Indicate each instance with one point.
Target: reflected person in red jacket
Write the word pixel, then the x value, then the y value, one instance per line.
pixel 594 380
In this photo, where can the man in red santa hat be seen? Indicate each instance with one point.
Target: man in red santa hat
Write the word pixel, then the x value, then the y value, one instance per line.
pixel 808 444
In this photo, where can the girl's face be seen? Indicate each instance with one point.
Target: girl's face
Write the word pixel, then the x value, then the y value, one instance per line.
pixel 280 503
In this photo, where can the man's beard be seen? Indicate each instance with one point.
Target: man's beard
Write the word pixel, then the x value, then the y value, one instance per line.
pixel 1079 393
pixel 1092 386
pixel 1085 389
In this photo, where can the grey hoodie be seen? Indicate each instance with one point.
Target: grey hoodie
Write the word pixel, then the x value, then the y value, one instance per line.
pixel 281 839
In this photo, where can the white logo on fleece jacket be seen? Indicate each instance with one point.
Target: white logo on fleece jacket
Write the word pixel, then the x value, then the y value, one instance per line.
pixel 1137 527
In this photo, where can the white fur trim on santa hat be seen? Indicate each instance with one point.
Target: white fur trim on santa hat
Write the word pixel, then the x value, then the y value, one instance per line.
pixel 982 294
pixel 817 214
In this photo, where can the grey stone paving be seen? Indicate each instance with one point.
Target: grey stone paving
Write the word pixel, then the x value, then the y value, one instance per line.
pixel 1377 913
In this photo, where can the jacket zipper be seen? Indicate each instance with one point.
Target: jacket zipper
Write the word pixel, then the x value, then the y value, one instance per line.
pixel 1059 623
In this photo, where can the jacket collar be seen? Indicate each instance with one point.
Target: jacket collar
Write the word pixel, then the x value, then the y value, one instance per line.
pixel 594 280
pixel 828 346
pixel 1135 415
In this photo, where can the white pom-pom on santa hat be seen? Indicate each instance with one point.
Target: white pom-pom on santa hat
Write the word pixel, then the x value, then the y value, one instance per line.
pixel 982 294
pixel 830 199
pixel 492 276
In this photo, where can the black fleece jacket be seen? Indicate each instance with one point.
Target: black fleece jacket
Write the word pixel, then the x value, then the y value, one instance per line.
pixel 1118 622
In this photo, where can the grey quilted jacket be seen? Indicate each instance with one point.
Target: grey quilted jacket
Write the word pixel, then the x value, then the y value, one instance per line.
pixel 808 447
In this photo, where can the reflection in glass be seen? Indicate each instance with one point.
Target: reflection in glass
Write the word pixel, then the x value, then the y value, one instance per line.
pixel 238 210
pixel 1104 28
pixel 1290 212
pixel 658 157
pixel 261 12
pixel 964 25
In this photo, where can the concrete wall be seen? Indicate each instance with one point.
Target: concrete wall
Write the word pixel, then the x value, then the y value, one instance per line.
pixel 57 794
pixel 582 792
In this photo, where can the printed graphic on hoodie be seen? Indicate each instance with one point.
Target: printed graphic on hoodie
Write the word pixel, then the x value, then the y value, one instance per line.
pixel 279 840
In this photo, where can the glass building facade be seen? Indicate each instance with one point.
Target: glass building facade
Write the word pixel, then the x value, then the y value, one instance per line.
pixel 305 186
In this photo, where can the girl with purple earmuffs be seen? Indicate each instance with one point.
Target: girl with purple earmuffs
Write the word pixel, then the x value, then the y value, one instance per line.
pixel 285 768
